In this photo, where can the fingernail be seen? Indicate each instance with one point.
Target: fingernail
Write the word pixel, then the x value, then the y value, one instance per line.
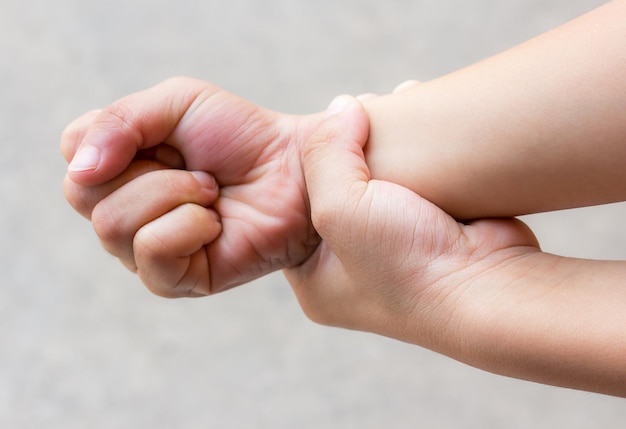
pixel 338 105
pixel 87 158
pixel 214 215
pixel 205 179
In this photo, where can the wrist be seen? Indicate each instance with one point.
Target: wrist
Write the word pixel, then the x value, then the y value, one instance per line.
pixel 413 144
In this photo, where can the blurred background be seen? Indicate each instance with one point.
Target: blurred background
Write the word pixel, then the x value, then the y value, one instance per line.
pixel 84 345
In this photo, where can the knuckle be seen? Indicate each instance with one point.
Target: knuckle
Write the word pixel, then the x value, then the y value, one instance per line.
pixel 148 245
pixel 157 287
pixel 320 137
pixel 117 116
pixel 179 182
pixel 78 197
pixel 107 227
pixel 186 89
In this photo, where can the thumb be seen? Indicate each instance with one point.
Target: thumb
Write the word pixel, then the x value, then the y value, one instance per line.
pixel 111 140
pixel 335 171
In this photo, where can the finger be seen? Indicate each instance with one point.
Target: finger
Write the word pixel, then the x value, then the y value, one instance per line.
pixel 85 198
pixel 164 154
pixel 171 251
pixel 334 166
pixel 408 84
pixel 135 122
pixel 74 134
pixel 118 217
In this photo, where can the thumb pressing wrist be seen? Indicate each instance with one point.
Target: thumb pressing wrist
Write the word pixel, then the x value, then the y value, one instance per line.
pixel 334 164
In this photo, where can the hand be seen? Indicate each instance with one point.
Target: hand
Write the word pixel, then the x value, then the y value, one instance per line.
pixel 389 261
pixel 253 154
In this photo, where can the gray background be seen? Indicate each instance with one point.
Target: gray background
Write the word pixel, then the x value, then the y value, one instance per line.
pixel 83 345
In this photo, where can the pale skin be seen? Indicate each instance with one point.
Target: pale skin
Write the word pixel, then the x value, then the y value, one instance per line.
pixel 539 127
pixel 485 141
pixel 392 263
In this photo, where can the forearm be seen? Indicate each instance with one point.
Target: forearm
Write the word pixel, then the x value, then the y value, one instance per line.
pixel 539 127
pixel 547 319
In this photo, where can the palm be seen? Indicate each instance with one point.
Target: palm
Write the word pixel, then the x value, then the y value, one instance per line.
pixel 398 256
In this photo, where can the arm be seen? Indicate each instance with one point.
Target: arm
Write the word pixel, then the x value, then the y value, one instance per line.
pixel 539 127
pixel 548 319
pixel 392 263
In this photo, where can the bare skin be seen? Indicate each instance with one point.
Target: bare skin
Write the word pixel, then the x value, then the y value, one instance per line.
pixel 198 191
pixel 392 263
pixel 253 154
pixel 495 139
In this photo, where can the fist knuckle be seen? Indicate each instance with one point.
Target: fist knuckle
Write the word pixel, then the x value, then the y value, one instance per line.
pixel 118 116
pixel 184 184
pixel 107 226
pixel 163 291
pixel 78 197
pixel 146 245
